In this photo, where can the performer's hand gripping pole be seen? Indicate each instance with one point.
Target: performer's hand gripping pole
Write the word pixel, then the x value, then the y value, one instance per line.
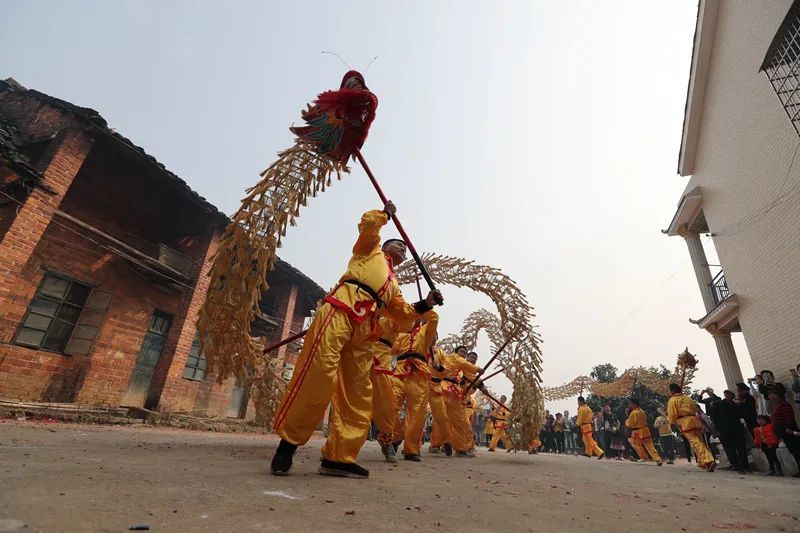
pixel 486 366
pixel 396 221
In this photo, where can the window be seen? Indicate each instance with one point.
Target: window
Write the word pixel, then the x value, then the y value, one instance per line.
pixel 288 369
pixel 64 316
pixel 782 62
pixel 196 362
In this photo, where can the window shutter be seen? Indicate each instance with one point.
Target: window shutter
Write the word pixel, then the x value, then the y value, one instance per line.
pixel 88 325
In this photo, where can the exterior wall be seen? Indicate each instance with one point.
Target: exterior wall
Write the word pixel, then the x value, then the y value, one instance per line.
pixel 745 148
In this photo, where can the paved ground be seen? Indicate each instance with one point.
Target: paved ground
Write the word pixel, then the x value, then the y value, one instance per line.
pixel 62 477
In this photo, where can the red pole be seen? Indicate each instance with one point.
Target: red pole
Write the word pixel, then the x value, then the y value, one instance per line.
pixel 396 221
pixel 285 341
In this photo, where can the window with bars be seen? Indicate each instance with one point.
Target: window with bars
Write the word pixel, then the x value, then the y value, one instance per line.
pixel 64 316
pixel 195 368
pixel 782 65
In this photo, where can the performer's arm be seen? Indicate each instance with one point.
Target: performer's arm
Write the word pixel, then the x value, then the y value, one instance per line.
pixel 369 231
pixel 432 321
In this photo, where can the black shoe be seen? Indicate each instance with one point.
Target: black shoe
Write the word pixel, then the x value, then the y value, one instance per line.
pixel 448 450
pixel 332 468
pixel 412 457
pixel 282 461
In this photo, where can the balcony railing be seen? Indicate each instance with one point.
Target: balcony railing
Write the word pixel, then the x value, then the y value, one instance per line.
pixel 719 288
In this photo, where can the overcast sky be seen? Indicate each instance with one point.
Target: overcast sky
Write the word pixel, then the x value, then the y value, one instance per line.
pixel 537 137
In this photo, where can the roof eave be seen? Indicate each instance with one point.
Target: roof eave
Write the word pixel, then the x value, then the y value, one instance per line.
pixel 698 76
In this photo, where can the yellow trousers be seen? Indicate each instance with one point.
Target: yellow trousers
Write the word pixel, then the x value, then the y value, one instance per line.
pixel 384 410
pixel 413 389
pixel 436 435
pixel 701 451
pixel 500 433
pixel 461 438
pixel 589 445
pixel 336 358
pixel 643 446
pixel 440 421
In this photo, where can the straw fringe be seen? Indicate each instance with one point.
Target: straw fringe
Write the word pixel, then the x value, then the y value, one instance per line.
pixel 238 273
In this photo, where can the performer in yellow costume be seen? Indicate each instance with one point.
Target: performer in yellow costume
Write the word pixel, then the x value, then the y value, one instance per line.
pixel 338 353
pixel 456 367
pixel 413 370
pixel 440 432
pixel 641 439
pixel 682 411
pixel 498 416
pixel 584 421
pixel 383 394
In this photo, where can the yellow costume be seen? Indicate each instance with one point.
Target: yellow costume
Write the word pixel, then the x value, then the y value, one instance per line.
pixel 461 438
pixel 413 371
pixel 641 439
pixel 384 411
pixel 584 421
pixel 488 429
pixel 440 432
pixel 682 411
pixel 500 414
pixel 338 350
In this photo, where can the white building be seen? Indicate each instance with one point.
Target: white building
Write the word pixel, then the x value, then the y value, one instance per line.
pixel 740 143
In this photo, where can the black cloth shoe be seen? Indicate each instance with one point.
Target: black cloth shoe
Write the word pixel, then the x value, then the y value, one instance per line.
pixel 448 450
pixel 412 457
pixel 282 460
pixel 332 468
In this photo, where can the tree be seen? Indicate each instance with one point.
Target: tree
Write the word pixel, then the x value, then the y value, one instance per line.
pixel 604 373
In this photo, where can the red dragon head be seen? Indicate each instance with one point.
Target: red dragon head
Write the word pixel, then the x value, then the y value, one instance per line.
pixel 353 80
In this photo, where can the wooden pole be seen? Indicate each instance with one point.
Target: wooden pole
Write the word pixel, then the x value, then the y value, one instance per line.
pixel 285 341
pixel 508 340
pixel 396 221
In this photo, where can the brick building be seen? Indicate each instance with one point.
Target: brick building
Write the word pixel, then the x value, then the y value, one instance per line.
pixel 740 148
pixel 103 262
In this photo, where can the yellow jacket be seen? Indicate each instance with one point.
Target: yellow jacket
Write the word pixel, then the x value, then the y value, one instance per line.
pixel 382 352
pixel 489 428
pixel 500 414
pixel 437 362
pixel 413 348
pixel 584 418
pixel 682 411
pixel 637 420
pixel 370 267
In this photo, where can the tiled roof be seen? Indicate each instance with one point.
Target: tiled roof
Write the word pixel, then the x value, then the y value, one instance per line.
pixel 97 124
pixel 11 154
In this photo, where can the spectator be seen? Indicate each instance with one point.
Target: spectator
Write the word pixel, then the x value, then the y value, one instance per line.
pixel 687 448
pixel 761 402
pixel 784 423
pixel 550 439
pixel 767 384
pixel 597 427
pixel 727 419
pixel 710 401
pixel 747 406
pixel 765 438
pixel 569 433
pixel 611 433
pixel 796 386
pixel 665 437
pixel 558 432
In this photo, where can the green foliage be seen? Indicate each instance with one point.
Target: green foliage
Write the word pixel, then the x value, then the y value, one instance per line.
pixel 604 373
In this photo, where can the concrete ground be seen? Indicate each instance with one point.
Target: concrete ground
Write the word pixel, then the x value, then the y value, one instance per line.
pixel 65 477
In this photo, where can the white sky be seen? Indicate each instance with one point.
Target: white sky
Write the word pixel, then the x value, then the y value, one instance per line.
pixel 538 137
